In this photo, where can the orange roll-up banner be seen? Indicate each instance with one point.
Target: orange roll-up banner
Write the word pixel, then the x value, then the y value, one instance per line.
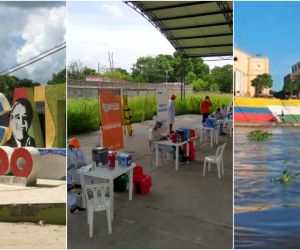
pixel 111 116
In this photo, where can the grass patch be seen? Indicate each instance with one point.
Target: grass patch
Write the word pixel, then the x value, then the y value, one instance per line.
pixel 83 113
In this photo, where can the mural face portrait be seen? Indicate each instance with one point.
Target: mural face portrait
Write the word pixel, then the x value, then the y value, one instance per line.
pixel 20 122
pixel 21 118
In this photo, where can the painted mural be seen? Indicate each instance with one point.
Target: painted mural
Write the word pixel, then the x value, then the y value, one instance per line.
pixel 35 118
pixel 266 110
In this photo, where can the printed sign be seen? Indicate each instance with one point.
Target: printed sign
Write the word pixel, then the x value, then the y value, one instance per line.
pixel 162 107
pixel 111 115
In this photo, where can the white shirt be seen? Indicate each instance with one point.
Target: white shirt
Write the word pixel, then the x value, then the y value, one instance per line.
pixel 76 158
pixel 171 112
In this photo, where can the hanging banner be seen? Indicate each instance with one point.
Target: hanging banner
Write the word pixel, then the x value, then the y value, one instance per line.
pixel 111 119
pixel 162 107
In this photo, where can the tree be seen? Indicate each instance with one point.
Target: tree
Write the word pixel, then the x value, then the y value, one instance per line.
pixel 222 76
pixel 88 72
pixel 168 67
pixel 75 70
pixel 144 70
pixel 214 87
pixel 289 87
pixel 191 76
pixel 9 83
pixel 58 78
pixel 117 74
pixel 261 82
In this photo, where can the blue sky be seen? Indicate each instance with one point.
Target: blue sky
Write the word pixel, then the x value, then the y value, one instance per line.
pixel 94 28
pixel 272 29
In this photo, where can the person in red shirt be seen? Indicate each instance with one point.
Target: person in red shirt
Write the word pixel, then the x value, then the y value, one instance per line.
pixel 205 108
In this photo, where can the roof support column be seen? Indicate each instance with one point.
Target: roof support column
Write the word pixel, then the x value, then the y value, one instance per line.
pixel 182 86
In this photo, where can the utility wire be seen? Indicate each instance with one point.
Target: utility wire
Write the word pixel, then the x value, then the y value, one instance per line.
pixel 34 59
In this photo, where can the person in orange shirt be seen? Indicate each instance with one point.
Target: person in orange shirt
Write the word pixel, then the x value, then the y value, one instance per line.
pixel 205 108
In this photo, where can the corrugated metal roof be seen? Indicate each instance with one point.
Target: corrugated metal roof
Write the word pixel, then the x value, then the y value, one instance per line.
pixel 194 28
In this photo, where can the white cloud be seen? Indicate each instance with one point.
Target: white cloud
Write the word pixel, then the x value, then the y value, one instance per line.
pixel 27 29
pixel 44 30
pixel 113 9
pixel 94 28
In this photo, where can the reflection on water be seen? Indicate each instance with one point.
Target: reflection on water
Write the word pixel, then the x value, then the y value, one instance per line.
pixel 267 214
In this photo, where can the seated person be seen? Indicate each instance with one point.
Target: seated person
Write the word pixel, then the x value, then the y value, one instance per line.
pixel 75 160
pixel 219 116
pixel 230 113
pixel 224 112
pixel 156 135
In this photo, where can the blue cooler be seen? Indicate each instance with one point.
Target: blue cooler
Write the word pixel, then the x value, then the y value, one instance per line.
pixel 210 122
pixel 124 160
pixel 186 132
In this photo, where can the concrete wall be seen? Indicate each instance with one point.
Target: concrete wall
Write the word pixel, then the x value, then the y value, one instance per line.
pixel 53 167
pixel 77 89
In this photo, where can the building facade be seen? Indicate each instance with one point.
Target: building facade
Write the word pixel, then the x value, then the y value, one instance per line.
pixel 295 72
pixel 246 68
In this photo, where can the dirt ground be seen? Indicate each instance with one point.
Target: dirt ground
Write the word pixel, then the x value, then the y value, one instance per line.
pixel 19 235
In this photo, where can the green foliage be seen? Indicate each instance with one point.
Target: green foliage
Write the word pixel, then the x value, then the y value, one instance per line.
pixel 200 85
pixel 58 78
pixel 261 82
pixel 222 76
pixel 190 77
pixel 214 87
pixel 167 67
pixel 83 113
pixel 117 74
pixel 286 176
pixel 292 86
pixel 258 135
pixel 9 83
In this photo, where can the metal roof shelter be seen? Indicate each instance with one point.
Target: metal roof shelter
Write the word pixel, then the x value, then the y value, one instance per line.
pixel 194 28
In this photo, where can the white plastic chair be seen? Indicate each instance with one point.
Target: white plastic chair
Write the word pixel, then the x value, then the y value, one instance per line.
pixel 153 149
pixel 96 201
pixel 216 159
pixel 161 152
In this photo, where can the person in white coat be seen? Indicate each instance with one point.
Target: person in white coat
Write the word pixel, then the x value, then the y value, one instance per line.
pixel 172 112
pixel 76 159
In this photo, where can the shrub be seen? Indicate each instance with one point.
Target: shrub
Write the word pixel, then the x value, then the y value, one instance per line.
pixel 83 115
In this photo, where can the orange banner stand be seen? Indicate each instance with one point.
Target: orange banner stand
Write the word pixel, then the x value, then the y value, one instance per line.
pixel 111 119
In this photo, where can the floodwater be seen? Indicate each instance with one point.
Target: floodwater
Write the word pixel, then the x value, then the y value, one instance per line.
pixel 267 213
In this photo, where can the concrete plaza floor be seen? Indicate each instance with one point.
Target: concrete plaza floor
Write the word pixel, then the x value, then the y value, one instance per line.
pixel 182 210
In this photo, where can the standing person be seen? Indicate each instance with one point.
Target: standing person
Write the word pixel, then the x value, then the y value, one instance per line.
pixel 171 112
pixel 20 122
pixel 205 108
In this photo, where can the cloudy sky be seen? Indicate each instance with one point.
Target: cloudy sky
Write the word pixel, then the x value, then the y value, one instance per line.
pixel 26 30
pixel 94 28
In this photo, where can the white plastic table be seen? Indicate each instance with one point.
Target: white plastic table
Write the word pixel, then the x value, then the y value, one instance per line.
pixel 212 132
pixel 176 145
pixel 109 174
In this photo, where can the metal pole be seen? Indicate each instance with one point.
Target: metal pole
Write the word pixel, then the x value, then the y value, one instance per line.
pixel 181 78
